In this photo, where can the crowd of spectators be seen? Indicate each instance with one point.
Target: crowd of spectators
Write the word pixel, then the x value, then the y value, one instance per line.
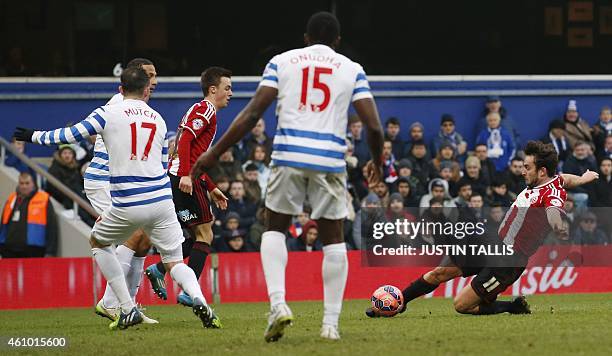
pixel 448 171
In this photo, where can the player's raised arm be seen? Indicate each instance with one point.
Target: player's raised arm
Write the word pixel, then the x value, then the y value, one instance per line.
pixel 367 112
pixel 572 181
pixel 92 125
pixel 242 124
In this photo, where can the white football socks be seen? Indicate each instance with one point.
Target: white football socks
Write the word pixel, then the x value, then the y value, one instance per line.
pixel 134 276
pixel 186 278
pixel 335 272
pixel 111 269
pixel 274 262
pixel 124 256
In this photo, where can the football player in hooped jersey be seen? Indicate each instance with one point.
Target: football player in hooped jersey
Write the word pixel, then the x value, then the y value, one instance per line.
pixel 131 254
pixel 195 134
pixel 139 188
pixel 524 227
pixel 314 86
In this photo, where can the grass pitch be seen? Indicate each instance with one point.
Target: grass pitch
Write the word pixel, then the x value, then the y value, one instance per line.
pixel 560 324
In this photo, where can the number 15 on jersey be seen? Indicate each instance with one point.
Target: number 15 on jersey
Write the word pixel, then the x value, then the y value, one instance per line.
pixel 321 74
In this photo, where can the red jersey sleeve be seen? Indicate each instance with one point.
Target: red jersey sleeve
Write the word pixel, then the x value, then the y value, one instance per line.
pixel 555 195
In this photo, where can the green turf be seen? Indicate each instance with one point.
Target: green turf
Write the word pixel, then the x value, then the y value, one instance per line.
pixel 562 324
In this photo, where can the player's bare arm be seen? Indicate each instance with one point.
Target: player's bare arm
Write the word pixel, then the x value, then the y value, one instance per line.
pixel 242 124
pixel 573 181
pixel 367 112
pixel 560 228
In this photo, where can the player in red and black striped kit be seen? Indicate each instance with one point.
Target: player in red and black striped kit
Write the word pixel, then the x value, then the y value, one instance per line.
pixel 195 135
pixel 523 227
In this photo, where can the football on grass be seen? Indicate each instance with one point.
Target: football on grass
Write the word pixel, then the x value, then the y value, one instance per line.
pixel 387 300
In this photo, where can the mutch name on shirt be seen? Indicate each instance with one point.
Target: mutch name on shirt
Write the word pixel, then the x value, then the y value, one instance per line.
pixel 140 112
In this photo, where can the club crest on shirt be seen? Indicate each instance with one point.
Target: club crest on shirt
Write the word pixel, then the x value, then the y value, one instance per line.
pixel 198 124
pixel 533 197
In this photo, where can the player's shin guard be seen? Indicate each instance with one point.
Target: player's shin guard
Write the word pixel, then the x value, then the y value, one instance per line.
pixel 124 256
pixel 274 262
pixel 186 278
pixel 134 275
pixel 418 288
pixel 111 269
pixel 335 272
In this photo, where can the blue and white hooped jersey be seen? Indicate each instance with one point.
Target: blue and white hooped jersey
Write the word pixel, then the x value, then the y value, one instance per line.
pixel 98 168
pixel 135 139
pixel 315 87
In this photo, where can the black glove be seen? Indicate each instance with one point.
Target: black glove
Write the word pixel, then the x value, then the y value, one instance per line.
pixel 23 134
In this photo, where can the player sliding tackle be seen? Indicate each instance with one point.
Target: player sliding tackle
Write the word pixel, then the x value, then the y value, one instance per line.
pixel 523 227
pixel 135 137
pixel 314 86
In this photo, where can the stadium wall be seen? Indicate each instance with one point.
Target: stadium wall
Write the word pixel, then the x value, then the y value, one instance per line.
pixel 71 282
pixel 533 101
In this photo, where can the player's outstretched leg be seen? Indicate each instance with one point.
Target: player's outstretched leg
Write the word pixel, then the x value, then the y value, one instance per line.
pixel 480 296
pixel 425 284
pixel 274 261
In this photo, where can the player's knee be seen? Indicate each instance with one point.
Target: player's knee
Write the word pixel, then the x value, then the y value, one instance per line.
pixel 461 306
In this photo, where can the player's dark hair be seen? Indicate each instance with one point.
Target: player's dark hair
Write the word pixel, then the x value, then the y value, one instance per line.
pixel 211 77
pixel 134 80
pixel 138 63
pixel 392 121
pixel 516 158
pixel 481 144
pixel 544 156
pixel 323 27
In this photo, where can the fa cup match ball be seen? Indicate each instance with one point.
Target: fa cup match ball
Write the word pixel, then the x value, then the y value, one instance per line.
pixel 387 300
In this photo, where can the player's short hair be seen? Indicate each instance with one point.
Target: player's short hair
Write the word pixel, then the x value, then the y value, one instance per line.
pixel 481 144
pixel 134 80
pixel 211 77
pixel 323 27
pixel 475 194
pixel 544 156
pixel 392 121
pixel 138 63
pixel 516 158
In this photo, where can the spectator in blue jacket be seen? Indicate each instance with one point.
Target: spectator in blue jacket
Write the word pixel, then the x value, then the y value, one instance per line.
pixel 500 146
